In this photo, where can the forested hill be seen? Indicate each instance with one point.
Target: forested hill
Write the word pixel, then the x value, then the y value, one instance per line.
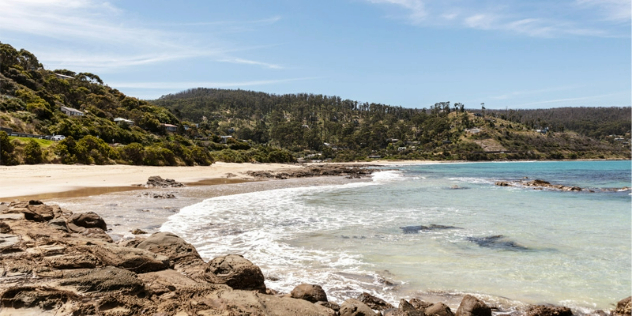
pixel 311 124
pixel 598 122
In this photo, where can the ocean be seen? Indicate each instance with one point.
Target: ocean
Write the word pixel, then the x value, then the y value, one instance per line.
pixel 435 231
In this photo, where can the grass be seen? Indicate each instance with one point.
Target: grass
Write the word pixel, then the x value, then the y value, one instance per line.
pixel 44 143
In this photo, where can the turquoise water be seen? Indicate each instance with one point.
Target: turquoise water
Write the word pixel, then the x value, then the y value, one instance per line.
pixel 511 245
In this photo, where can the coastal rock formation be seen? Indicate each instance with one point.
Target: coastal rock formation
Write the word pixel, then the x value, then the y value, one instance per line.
pixel 373 302
pixel 159 182
pixel 623 307
pixel 496 241
pixel 472 306
pixel 172 246
pixel 353 307
pixel 438 309
pixel 349 171
pixel 416 229
pixel 236 272
pixel 543 310
pixel 541 184
pixel 81 222
pixel 419 304
pixel 309 292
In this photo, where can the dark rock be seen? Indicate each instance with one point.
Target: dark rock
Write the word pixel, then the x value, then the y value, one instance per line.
pixel 236 272
pixel 331 305
pixel 79 222
pixel 309 292
pixel 158 195
pixel 496 241
pixel 59 223
pixel 438 309
pixel 353 307
pixel 503 184
pixel 4 228
pixel 543 310
pixel 172 246
pixel 623 307
pixel 373 302
pixel 416 229
pixel 107 279
pixel 157 181
pixel 471 306
pixel 138 231
pixel 419 304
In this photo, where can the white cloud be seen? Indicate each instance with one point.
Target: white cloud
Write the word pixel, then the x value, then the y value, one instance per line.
pixel 95 35
pixel 536 19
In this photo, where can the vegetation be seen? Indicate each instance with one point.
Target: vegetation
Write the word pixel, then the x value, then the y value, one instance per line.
pixel 245 126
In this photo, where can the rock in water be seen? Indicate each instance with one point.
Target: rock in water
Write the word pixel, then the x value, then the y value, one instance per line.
pixel 471 306
pixel 309 292
pixel 236 272
pixel 623 307
pixel 543 310
pixel 373 302
pixel 438 309
pixel 353 307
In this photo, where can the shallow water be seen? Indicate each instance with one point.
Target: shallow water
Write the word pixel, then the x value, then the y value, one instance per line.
pixel 512 245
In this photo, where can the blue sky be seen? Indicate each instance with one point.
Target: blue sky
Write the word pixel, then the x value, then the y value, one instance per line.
pixel 413 53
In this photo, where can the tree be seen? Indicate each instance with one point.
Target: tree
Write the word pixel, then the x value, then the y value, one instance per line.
pixel 32 152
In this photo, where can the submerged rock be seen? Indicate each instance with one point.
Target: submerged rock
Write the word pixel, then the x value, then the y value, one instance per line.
pixel 417 229
pixel 496 241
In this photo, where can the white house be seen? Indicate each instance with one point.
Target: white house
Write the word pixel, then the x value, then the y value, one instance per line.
pixel 225 139
pixel 120 120
pixel 58 137
pixel 71 112
pixel 170 128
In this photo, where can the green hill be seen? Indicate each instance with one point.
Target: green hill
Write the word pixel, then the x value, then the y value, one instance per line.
pixel 199 126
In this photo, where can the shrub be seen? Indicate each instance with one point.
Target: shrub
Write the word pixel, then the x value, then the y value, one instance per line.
pixel 134 153
pixel 6 150
pixel 32 152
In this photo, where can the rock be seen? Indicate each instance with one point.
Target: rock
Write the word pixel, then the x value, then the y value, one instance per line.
pixel 503 184
pixel 309 292
pixel 4 228
pixel 158 195
pixel 236 272
pixel 497 241
pixel 438 309
pixel 353 307
pixel 157 181
pixel 235 302
pixel 138 231
pixel 59 223
pixel 170 280
pixel 107 279
pixel 34 297
pixel 416 229
pixel 419 304
pixel 623 307
pixel 8 243
pixel 543 310
pixel 331 305
pixel 373 302
pixel 172 246
pixel 133 259
pixel 472 306
pixel 79 222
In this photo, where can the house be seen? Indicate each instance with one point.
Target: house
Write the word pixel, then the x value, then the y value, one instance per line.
pixel 71 112
pixel 392 140
pixel 60 76
pixel 474 130
pixel 375 156
pixel 58 137
pixel 225 139
pixel 120 120
pixel 170 128
pixel 401 148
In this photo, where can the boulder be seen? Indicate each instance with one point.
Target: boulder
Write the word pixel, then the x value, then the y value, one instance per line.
pixel 472 306
pixel 438 309
pixel 309 292
pixel 157 181
pixel 623 307
pixel 419 304
pixel 404 309
pixel 353 307
pixel 543 310
pixel 172 246
pixel 331 305
pixel 107 279
pixel 236 272
pixel 79 222
pixel 236 302
pixel 373 302
pixel 59 223
pixel 133 259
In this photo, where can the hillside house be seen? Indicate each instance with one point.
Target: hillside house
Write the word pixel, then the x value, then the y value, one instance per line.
pixel 170 128
pixel 120 121
pixel 225 139
pixel 71 112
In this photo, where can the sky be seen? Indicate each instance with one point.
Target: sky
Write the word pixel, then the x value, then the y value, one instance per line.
pixel 511 54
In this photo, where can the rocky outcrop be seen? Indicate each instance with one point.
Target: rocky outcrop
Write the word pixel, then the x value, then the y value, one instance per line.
pixel 236 272
pixel 80 222
pixel 159 182
pixel 472 306
pixel 171 246
pixel 623 307
pixel 417 229
pixel 373 302
pixel 405 308
pixel 353 307
pixel 543 310
pixel 348 171
pixel 541 185
pixel 309 292
pixel 438 309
